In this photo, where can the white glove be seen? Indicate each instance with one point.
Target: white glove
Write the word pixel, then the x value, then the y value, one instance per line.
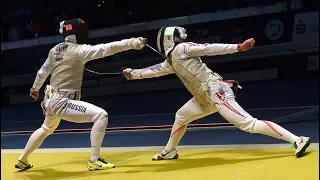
pixel 127 73
pixel 138 43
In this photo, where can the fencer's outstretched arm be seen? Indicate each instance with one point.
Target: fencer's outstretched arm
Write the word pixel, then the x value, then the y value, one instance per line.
pixel 42 75
pixel 91 52
pixel 195 50
pixel 153 71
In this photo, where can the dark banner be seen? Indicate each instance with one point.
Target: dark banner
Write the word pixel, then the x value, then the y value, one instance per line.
pixel 266 29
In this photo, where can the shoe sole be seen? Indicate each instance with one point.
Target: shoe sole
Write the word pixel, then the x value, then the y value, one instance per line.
pixel 23 169
pixel 173 158
pixel 100 169
pixel 300 153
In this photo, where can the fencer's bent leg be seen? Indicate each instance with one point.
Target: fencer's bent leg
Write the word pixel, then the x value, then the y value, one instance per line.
pixel 37 138
pixel 229 109
pixel 82 112
pixel 186 114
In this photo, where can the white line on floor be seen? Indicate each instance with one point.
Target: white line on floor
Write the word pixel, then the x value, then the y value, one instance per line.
pixel 260 166
pixel 239 174
pixel 126 160
pixel 136 157
pixel 281 159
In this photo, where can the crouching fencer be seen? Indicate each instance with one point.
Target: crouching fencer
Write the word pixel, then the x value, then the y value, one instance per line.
pixel 210 92
pixel 65 63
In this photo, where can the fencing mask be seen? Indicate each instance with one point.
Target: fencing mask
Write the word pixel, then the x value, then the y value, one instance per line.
pixel 168 37
pixel 75 30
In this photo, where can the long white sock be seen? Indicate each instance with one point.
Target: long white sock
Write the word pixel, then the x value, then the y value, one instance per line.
pixel 97 134
pixel 274 130
pixel 34 142
pixel 178 130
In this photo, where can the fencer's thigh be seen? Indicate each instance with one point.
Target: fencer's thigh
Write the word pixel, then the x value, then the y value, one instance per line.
pixel 222 89
pixel 192 110
pixel 78 111
pixel 227 106
pixel 234 113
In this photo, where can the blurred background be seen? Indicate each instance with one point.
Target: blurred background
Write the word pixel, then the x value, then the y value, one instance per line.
pixel 280 76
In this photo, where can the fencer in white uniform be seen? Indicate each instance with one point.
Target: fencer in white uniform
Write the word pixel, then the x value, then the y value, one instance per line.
pixel 210 92
pixel 65 64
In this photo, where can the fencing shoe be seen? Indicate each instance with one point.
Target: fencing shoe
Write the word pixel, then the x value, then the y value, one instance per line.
pixel 100 164
pixel 23 165
pixel 301 145
pixel 173 154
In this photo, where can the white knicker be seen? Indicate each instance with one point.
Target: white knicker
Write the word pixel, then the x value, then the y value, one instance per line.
pixel 65 104
pixel 223 100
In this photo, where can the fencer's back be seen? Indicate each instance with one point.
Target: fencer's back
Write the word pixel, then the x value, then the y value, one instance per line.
pixel 67 72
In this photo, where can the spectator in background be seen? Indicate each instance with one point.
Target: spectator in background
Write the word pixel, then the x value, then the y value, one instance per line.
pixel 132 15
pixel 296 5
pixel 191 6
pixel 35 28
pixel 31 28
pixel 14 33
pixel 64 15
pixel 56 22
pixel 38 29
pixel 132 12
pixel 57 19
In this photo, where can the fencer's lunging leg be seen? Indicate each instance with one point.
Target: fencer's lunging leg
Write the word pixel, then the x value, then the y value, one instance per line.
pixel 97 135
pixel 236 115
pixel 37 138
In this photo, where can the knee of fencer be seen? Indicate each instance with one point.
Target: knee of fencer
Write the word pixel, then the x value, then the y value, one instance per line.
pixel 248 124
pixel 181 119
pixel 103 115
pixel 47 130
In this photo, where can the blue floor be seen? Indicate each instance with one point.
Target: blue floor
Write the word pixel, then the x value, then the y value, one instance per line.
pixel 160 137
